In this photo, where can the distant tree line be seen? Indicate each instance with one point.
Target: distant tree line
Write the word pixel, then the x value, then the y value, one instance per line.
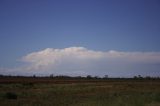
pixel 77 77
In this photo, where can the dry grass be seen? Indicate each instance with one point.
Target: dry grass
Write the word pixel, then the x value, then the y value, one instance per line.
pixel 82 93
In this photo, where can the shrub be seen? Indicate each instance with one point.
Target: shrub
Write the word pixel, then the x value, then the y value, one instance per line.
pixel 28 85
pixel 11 95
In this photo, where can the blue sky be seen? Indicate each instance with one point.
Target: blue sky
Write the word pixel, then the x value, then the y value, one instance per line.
pixel 28 26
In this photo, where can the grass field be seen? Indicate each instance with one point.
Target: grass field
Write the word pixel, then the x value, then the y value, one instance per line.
pixel 26 92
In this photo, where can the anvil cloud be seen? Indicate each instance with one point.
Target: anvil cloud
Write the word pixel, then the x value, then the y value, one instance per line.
pixel 82 61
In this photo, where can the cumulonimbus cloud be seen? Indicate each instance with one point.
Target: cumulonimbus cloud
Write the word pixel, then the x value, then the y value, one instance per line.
pixel 80 60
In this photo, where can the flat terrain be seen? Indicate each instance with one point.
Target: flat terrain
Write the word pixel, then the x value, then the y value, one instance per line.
pixel 79 92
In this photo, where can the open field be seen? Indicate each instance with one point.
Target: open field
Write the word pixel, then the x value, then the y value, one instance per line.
pixel 79 92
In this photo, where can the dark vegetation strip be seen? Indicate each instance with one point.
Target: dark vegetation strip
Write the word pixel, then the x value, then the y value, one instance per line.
pixel 64 80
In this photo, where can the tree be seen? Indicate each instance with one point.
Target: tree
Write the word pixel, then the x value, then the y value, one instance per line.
pixel 51 75
pixel 106 76
pixel 139 76
pixel 89 77
pixel 34 76
pixel 135 77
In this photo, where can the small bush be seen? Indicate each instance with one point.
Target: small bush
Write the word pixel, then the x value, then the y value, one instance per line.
pixel 11 95
pixel 28 85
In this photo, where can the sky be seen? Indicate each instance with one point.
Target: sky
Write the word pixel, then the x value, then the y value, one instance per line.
pixel 114 37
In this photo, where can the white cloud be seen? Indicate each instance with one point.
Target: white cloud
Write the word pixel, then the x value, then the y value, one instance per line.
pixel 62 59
pixel 82 61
